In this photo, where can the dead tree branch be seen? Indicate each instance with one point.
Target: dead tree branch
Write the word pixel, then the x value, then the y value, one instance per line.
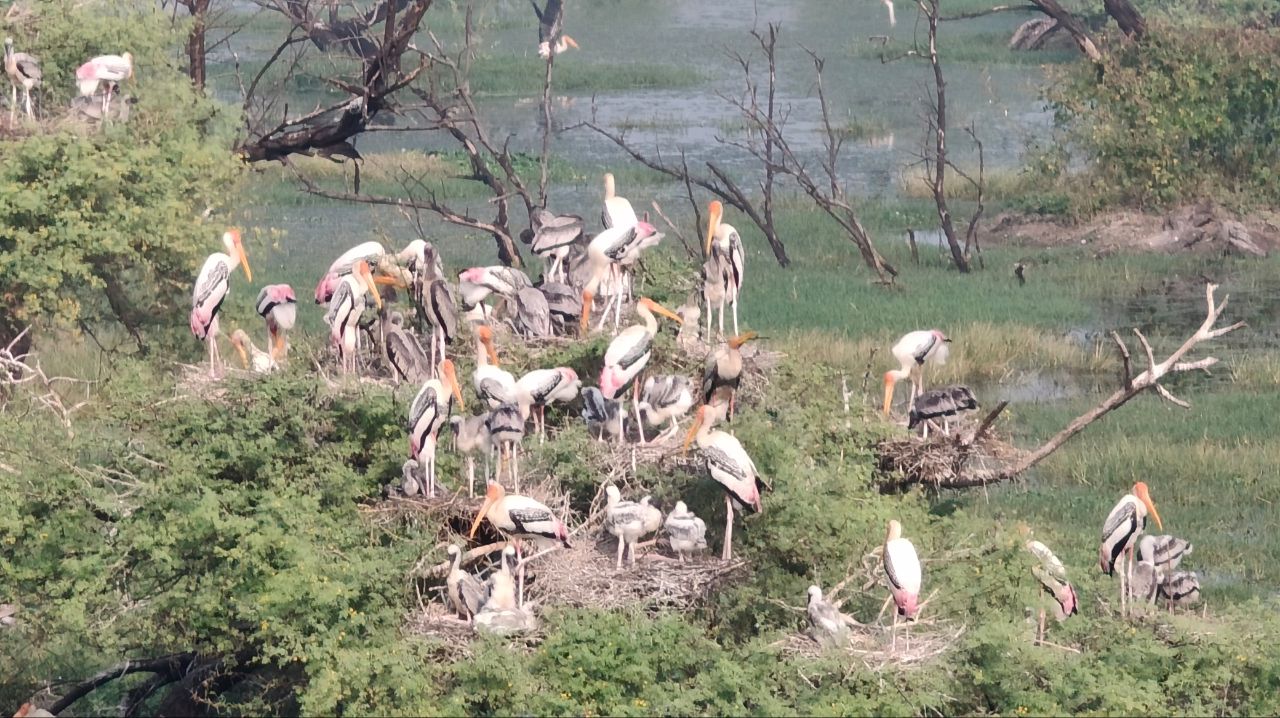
pixel 937 128
pixel 19 370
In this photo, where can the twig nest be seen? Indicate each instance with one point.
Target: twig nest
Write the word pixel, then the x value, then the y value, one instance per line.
pixel 506 623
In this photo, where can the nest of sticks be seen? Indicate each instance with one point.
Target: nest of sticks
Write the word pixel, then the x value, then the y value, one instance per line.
pixel 943 461
pixel 875 647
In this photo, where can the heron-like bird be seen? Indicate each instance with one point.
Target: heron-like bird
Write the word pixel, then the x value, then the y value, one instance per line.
pixel 827 625
pixel 629 352
pixel 723 372
pixel 625 520
pixel 428 413
pixel 554 238
pixel 409 483
pixel 278 306
pixel 686 533
pixel 494 386
pixel 345 307
pixel 552 39
pixel 466 593
pixel 912 351
pixel 725 242
pixel 730 466
pixel 437 303
pixel 212 286
pixel 603 416
pixel 108 69
pixel 472 434
pixel 942 403
pixel 23 71
pixel 505 425
pixel 1120 534
pixel 541 387
pixel 902 568
pixel 666 399
pixel 370 252
pixel 251 356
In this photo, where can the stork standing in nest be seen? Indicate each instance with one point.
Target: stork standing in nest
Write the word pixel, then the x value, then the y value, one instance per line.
pixel 471 434
pixel 686 532
pixel 520 519
pixel 725 257
pixel 494 386
pixel 1120 534
pixel 912 352
pixel 625 521
pixel 603 416
pixel 251 356
pixel 942 404
pixel 23 71
pixel 466 593
pixel 730 466
pixel 629 352
pixel 505 426
pixel 278 306
pixel 370 252
pixel 723 372
pixel 211 289
pixel 666 399
pixel 902 569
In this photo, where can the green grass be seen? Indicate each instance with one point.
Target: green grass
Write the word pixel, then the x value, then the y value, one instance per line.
pixel 510 75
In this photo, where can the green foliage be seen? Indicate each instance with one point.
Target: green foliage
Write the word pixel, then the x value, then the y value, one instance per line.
pixel 120 211
pixel 1189 111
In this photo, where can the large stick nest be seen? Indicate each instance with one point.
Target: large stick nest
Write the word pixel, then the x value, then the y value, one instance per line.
pixel 942 461
pixel 873 646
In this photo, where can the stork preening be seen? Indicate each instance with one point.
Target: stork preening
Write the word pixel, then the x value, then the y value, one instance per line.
pixel 23 71
pixel 902 569
pixel 942 403
pixel 345 307
pixel 1052 576
pixel 723 372
pixel 471 435
pixel 730 466
pixel 278 306
pixel 212 286
pixel 466 593
pixel 666 399
pixel 686 533
pixel 541 387
pixel 723 247
pixel 629 352
pixel 251 356
pixel 532 315
pixel 483 281
pixel 912 352
pixel 110 70
pixel 428 413
pixel 552 39
pixel 1120 535
pixel 370 252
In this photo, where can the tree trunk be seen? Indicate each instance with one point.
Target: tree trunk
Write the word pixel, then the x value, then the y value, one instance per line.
pixel 1071 25
pixel 940 147
pixel 199 10
pixel 1127 17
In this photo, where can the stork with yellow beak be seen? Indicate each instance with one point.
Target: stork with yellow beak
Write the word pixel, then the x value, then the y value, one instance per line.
pixel 723 372
pixel 730 466
pixel 430 411
pixel 629 352
pixel 345 307
pixel 1120 536
pixel 912 352
pixel 520 518
pixel 212 287
pixel 493 385
pixel 724 249
pixel 251 356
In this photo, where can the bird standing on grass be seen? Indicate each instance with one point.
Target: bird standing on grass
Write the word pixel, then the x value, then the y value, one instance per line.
pixel 1120 535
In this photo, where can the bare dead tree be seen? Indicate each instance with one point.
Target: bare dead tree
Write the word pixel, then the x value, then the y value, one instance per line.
pixel 1131 386
pixel 21 374
pixel 936 161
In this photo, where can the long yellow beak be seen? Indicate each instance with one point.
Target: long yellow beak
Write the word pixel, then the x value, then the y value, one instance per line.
pixel 480 515
pixel 888 392
pixel 244 262
pixel 665 312
pixel 244 356
pixel 493 353
pixel 451 376
pixel 571 42
pixel 743 338
pixel 693 430
pixel 715 211
pixel 369 282
pixel 587 299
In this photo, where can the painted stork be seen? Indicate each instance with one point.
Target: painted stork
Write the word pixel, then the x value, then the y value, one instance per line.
pixel 1052 576
pixel 545 386
pixel 605 252
pixel 520 518
pixel 1144 582
pixel 109 69
pixel 617 210
pixel 421 259
pixel 942 404
pixel 827 625
pixel 666 399
pixel 714 277
pixel 471 435
pixel 625 521
pixel 403 353
pixel 442 315
pixel 428 413
pixel 251 356
pixel 279 307
pixel 1164 552
pixel 409 483
pixel 23 71
pixel 603 416
pixel 345 307
pixel 1181 589
pixel 554 238
pixel 532 316
pixel 912 351
pixel 731 467
pixel 466 593
pixel 723 372
pixel 686 533
pixel 551 37
pixel 370 252
pixel 1121 531
pixel 651 516
pixel 497 279
pixel 629 352
pixel 212 286
pixel 564 303
pixel 505 425
pixel 723 240
pixel 494 386
pixel 902 568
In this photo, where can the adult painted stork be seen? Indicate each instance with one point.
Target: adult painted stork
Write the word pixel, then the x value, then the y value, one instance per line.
pixel 723 372
pixel 278 306
pixel 1121 532
pixel 827 625
pixel 731 467
pixel 212 286
pixel 686 533
pixel 624 520
pixel 1164 552
pixel 912 351
pixel 505 425
pixel 554 238
pixel 494 386
pixel 617 210
pixel 532 316
pixel 629 352
pixel 605 253
pixel 666 399
pixel 723 240
pixel 466 593
pixel 428 413
pixel 603 416
pixel 1181 589
pixel 370 252
pixel 345 307
pixel 109 69
pixel 23 71
pixel 497 279
pixel 251 356
pixel 1053 577
pixel 520 518
pixel 442 315
pixel 546 386
pixel 942 404
pixel 714 276
pixel 902 568
pixel 421 259
pixel 551 37
pixel 471 435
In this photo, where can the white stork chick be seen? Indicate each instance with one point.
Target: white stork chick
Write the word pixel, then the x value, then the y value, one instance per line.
pixel 502 585
pixel 466 593
pixel 724 243
pixel 1121 531
pixel 471 435
pixel 629 352
pixel 666 399
pixel 505 426
pixel 1164 552
pixel 278 306
pixel 541 387
pixel 345 307
pixel 686 533
pixel 912 351
pixel 428 413
pixel 370 252
pixel 730 466
pixel 827 625
pixel 722 372
pixel 1144 582
pixel 625 520
pixel 251 356
pixel 651 515
pixel 902 568
pixel 494 386
pixel 211 289
pixel 409 483
pixel 1181 589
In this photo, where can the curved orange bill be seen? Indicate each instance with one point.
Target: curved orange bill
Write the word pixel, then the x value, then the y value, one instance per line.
pixel 693 430
pixel 743 338
pixel 244 262
pixel 484 510
pixel 363 272
pixel 715 210
pixel 587 299
pixel 659 309
pixel 888 394
pixel 1151 506
pixel 452 377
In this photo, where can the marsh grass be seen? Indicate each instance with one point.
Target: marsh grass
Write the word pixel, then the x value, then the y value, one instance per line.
pixel 508 75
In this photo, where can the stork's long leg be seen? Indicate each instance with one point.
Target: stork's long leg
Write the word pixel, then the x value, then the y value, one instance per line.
pixel 727 552
pixel 735 315
pixel 635 404
pixel 515 463
pixel 13 104
pixel 471 476
pixel 721 312
pixel 621 548
pixel 27 92
pixel 707 337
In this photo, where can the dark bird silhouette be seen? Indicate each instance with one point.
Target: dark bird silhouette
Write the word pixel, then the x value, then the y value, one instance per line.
pixel 551 35
pixel 941 403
